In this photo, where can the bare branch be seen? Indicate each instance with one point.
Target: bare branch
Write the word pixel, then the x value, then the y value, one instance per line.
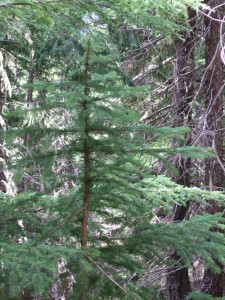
pixel 106 275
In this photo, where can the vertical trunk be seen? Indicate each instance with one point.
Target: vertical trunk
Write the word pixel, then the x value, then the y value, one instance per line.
pixel 213 101
pixel 213 283
pixel 30 91
pixel 84 224
pixel 27 137
pixel 86 158
pixel 177 281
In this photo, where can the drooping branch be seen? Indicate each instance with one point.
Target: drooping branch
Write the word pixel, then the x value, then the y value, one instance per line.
pixel 19 3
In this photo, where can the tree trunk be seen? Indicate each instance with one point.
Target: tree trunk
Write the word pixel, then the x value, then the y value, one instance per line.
pixel 84 225
pixel 177 280
pixel 27 137
pixel 86 159
pixel 213 84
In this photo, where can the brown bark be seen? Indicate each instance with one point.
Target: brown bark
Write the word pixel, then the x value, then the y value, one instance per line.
pixel 27 137
pixel 84 228
pixel 86 158
pixel 213 283
pixel 213 100
pixel 177 280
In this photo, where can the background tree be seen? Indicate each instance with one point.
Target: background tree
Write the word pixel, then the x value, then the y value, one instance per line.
pixel 213 126
pixel 177 281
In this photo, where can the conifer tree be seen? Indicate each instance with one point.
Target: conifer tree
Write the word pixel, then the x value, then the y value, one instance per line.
pixel 213 84
pixel 91 232
pixel 178 283
pixel 114 190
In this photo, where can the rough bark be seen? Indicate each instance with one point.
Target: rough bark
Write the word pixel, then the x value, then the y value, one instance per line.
pixel 213 101
pixel 213 283
pixel 177 280
pixel 84 229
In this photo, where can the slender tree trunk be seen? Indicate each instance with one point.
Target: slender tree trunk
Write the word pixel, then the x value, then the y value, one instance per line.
pixel 213 283
pixel 177 281
pixel 84 224
pixel 86 158
pixel 27 137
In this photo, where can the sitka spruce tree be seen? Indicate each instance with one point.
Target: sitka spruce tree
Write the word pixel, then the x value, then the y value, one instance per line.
pixel 91 232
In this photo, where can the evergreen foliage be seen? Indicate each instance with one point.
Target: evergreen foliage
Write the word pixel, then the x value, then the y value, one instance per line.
pixel 202 296
pixel 122 192
pixel 86 143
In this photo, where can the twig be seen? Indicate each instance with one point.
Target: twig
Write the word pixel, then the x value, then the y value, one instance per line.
pixel 147 116
pixel 106 275
pixel 27 3
pixel 64 222
pixel 105 238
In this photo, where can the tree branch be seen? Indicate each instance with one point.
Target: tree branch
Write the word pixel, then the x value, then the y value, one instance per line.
pixel 106 275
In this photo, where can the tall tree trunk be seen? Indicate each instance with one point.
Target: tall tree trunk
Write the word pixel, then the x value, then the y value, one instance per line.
pixel 27 137
pixel 177 280
pixel 86 158
pixel 84 225
pixel 213 84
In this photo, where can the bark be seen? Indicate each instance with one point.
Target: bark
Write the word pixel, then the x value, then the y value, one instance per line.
pixel 213 101
pixel 27 137
pixel 213 283
pixel 177 281
pixel 86 159
pixel 84 228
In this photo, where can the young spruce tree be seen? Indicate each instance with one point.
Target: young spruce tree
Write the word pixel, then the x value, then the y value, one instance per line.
pixel 94 239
